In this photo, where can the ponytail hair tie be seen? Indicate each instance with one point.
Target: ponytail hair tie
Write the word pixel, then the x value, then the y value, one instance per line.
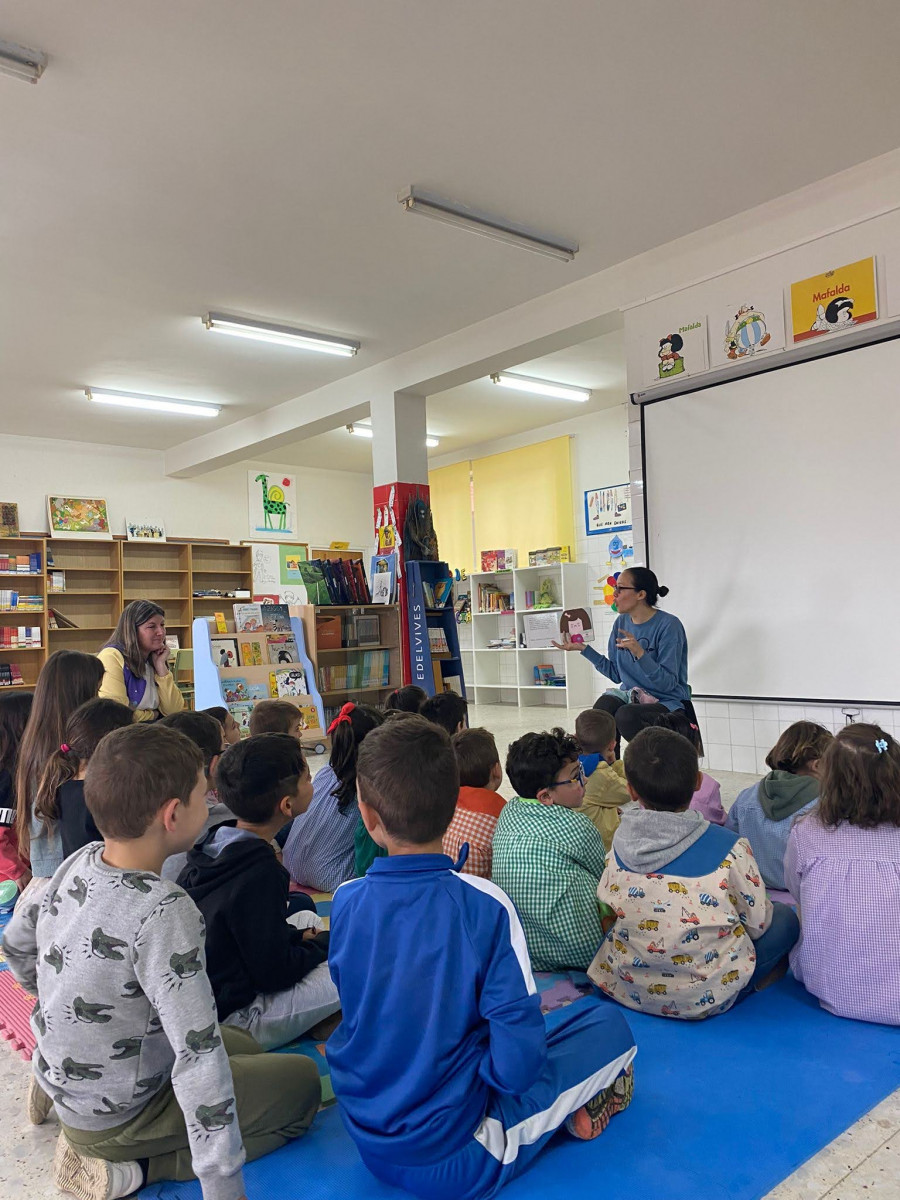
pixel 881 745
pixel 343 715
pixel 64 748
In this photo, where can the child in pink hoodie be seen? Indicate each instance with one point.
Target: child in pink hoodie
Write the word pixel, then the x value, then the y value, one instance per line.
pixel 707 798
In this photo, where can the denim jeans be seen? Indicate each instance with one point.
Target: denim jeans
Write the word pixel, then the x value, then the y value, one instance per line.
pixel 774 945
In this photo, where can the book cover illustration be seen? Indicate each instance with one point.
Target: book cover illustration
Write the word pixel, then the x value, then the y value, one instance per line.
pixel 251 653
pixel 314 580
pixel 291 682
pixel 235 690
pixel 241 712
pixel 276 618
pixel 225 652
pixel 248 618
pixel 282 648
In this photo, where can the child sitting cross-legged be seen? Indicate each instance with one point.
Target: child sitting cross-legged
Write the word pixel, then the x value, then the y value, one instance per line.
pixel 145 1083
pixel 548 857
pixel 604 789
pixel 269 976
pixel 765 812
pixel 451 1107
pixel 696 928
pixel 843 867
pixel 478 805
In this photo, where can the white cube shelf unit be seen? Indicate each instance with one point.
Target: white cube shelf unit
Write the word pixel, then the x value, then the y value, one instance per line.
pixel 506 676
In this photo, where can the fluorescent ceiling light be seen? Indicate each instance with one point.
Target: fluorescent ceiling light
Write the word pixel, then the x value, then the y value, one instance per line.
pixel 541 387
pixel 366 432
pixel 186 408
pixel 21 63
pixel 427 204
pixel 280 335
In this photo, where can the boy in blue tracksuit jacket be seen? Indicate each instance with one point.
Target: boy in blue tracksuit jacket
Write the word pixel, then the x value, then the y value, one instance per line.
pixel 448 1077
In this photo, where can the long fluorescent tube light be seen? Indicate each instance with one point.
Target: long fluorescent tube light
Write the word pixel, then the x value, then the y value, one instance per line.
pixel 280 335
pixel 21 63
pixel 451 212
pixel 541 387
pixel 367 432
pixel 186 408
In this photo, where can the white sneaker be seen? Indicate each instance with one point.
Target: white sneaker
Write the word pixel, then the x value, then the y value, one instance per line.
pixel 93 1178
pixel 37 1103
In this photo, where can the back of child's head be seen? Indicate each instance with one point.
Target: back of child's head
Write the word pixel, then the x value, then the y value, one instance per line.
pixel 859 778
pixel 135 771
pixel 595 731
pixel 347 733
pixel 68 678
pixel 445 709
pixel 406 699
pixel 85 729
pixel 15 710
pixel 534 761
pixel 407 772
pixel 799 746
pixel 218 713
pixel 274 716
pixel 476 756
pixel 255 775
pixel 679 722
pixel 203 730
pixel 662 767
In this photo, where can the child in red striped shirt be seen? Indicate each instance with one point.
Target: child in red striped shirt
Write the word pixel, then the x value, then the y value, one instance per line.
pixel 479 804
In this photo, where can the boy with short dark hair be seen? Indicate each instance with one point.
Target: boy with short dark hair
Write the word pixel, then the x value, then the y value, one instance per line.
pixel 548 857
pixel 478 805
pixel 696 930
pixel 268 976
pixel 604 790
pixel 446 709
pixel 275 716
pixel 208 736
pixel 146 1085
pixel 438 1106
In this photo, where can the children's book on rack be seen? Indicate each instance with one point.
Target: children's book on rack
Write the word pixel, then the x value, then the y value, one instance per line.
pixel 289 682
pixel 241 711
pixel 262 618
pixel 437 593
pixel 383 571
pixel 366 671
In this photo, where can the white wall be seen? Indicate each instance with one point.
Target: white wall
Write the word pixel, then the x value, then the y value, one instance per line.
pixel 334 505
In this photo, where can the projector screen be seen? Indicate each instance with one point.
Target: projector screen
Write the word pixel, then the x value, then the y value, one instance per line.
pixel 773 516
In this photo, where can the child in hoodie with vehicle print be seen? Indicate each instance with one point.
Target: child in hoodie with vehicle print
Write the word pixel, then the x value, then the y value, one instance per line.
pixel 696 930
pixel 765 812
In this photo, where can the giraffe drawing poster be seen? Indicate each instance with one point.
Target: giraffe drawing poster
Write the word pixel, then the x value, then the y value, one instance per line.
pixel 273 505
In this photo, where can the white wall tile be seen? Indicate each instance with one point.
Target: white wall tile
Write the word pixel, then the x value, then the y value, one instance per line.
pixel 742 733
pixel 765 712
pixel 819 714
pixel 789 713
pixel 717 729
pixel 743 758
pixel 741 709
pixel 766 734
pixel 762 767
pixel 718 757
pixel 717 708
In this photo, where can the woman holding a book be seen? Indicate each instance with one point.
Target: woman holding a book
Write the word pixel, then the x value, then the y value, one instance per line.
pixel 136 664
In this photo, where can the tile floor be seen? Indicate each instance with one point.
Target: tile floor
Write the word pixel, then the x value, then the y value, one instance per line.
pixel 862 1164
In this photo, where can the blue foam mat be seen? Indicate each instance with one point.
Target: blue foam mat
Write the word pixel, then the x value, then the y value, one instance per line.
pixel 723 1109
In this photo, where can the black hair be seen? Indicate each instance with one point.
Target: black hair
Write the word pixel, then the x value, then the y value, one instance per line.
pixel 835 306
pixel 679 721
pixel 203 730
pixel 662 767
pixel 254 776
pixel 218 712
pixel 675 340
pixel 534 761
pixel 445 709
pixel 15 710
pixel 644 580
pixel 406 699
pixel 407 772
pixel 346 739
pixel 476 756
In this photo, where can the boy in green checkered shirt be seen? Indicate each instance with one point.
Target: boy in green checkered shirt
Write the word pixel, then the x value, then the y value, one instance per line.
pixel 548 857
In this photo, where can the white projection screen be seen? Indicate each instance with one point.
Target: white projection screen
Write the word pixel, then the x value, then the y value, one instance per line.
pixel 773 516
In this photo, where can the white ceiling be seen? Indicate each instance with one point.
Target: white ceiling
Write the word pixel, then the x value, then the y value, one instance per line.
pixel 246 157
pixel 481 411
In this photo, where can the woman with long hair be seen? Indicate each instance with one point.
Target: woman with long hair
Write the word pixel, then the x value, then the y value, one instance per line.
pixel 68 679
pixel 136 664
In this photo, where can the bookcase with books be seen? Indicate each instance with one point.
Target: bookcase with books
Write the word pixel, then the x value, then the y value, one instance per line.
pixel 23 612
pixel 260 654
pixel 84 593
pixel 436 664
pixel 354 650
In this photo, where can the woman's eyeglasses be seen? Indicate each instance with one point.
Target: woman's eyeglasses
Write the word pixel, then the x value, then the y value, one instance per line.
pixel 623 587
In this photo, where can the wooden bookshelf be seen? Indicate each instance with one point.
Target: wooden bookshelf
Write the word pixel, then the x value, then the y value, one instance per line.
pixel 331 656
pixel 222 569
pixel 29 659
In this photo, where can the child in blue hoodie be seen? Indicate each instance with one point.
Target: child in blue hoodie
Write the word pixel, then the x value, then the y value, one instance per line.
pixel 448 1077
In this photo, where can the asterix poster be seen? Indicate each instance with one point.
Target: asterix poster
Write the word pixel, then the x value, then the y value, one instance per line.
pixel 835 301
pixel 750 327
pixel 676 350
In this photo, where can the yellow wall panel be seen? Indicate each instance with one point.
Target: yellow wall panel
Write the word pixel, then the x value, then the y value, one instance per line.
pixel 451 506
pixel 523 499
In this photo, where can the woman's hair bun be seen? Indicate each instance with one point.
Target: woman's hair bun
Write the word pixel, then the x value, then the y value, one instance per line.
pixel 663 591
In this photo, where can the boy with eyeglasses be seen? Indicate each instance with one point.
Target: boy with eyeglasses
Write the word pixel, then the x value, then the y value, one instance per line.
pixel 548 857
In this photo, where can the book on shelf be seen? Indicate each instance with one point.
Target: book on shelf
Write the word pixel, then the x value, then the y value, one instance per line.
pixel 498 560
pixel 11 601
pixel 235 690
pixel 288 682
pixel 281 648
pixel 367 671
pixel 56 581
pixel 248 618
pixel 241 710
pixel 367 630
pixel 20 564
pixel 259 691
pixel 276 618
pixel 453 683
pixel 492 599
pixel 23 637
pixel 543 674
pixel 442 589
pixel 59 621
pixel 314 581
pixel 251 650
pixel 309 717
pixel 437 640
pixel 224 652
pixel 383 573
pixel 10 675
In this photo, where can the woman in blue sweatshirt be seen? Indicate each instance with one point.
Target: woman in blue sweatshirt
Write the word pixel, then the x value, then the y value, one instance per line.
pixel 647 656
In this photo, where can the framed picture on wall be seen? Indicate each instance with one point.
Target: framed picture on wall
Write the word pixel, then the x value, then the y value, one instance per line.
pixel 78 517
pixel 607 509
pixel 273 505
pixel 141 530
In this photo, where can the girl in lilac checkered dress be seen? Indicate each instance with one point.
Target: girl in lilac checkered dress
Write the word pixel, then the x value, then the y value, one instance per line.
pixel 843 866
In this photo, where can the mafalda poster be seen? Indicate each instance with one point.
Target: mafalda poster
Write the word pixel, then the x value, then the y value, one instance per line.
pixel 835 301
pixel 676 351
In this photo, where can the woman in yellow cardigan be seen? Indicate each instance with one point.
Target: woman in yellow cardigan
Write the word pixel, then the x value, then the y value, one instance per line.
pixel 136 664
